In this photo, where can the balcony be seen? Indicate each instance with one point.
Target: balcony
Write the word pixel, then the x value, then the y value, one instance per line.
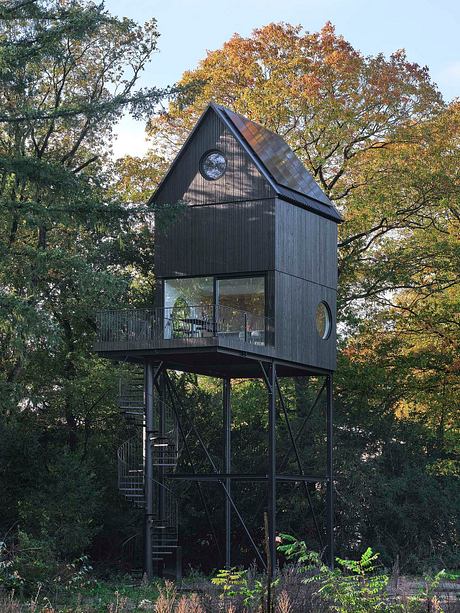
pixel 181 327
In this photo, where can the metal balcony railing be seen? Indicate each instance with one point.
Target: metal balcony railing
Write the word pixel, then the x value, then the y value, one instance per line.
pixel 184 322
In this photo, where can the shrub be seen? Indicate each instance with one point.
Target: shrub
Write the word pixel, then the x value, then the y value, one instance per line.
pixel 31 564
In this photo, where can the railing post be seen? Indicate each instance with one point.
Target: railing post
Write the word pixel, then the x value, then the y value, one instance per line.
pixel 245 327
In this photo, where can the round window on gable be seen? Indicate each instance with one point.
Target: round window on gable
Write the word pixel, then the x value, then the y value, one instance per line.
pixel 323 320
pixel 213 165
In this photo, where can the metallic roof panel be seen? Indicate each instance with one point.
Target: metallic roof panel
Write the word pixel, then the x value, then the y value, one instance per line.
pixel 277 157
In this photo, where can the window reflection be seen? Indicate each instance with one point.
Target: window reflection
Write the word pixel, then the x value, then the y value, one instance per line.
pixel 188 307
pixel 237 311
pixel 243 300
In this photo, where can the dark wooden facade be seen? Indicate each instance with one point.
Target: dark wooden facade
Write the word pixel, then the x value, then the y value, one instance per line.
pixel 239 225
pixel 216 239
pixel 241 182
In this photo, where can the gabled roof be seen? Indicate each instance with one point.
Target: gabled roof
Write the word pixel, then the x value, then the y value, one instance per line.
pixel 275 160
pixel 278 158
pixel 278 163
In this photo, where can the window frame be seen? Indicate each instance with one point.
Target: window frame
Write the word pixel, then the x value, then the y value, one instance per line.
pixel 329 320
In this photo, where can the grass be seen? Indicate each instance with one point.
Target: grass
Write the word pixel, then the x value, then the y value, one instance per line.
pixel 112 596
pixel 123 594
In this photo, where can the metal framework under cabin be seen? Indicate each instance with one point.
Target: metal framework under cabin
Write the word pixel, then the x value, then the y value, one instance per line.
pixel 148 469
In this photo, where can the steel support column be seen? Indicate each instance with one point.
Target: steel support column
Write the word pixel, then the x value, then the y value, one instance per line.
pixel 329 475
pixel 216 472
pixel 150 376
pixel 161 471
pixel 227 418
pixel 148 468
pixel 271 470
pixel 172 392
pixel 299 461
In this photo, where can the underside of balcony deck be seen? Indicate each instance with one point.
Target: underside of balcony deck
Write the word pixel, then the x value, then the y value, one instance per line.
pixel 206 356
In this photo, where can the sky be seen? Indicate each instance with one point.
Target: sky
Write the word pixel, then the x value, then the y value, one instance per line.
pixel 429 31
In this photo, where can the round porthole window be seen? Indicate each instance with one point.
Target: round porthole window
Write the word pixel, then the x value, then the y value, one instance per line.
pixel 213 165
pixel 323 320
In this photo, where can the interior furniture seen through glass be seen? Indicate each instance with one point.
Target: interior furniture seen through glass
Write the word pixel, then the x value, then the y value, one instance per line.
pixel 188 307
pixel 237 310
pixel 243 312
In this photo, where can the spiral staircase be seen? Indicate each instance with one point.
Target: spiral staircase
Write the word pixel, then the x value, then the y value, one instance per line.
pixel 131 473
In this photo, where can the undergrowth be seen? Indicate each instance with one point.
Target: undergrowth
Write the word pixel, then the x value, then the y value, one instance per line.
pixel 303 585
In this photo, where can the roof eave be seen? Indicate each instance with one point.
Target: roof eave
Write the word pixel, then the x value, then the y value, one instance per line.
pixel 292 196
pixel 313 205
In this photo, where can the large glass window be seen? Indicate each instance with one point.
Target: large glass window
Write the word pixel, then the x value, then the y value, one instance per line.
pixel 237 309
pixel 188 306
pixel 241 304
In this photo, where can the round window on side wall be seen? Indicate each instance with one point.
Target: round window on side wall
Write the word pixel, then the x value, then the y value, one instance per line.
pixel 213 165
pixel 323 320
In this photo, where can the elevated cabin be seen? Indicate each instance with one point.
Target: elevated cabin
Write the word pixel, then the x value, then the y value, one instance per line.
pixel 246 269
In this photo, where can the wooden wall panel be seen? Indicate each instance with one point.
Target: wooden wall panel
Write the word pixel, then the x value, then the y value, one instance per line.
pixel 224 238
pixel 296 336
pixel 306 244
pixel 241 181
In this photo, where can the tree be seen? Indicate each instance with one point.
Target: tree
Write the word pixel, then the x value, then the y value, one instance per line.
pixel 378 138
pixel 68 71
pixel 339 110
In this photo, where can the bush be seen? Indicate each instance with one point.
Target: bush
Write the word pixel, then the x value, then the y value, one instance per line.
pixel 32 564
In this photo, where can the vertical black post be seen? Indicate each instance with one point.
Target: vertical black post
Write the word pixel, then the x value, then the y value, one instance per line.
pixel 329 475
pixel 215 312
pixel 272 471
pixel 226 393
pixel 162 455
pixel 148 468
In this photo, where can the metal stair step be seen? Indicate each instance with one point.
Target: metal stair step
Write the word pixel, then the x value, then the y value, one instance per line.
pixel 163 553
pixel 127 407
pixel 166 543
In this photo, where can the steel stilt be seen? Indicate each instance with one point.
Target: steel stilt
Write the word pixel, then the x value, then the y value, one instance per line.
pixel 330 476
pixel 272 471
pixel 148 469
pixel 226 392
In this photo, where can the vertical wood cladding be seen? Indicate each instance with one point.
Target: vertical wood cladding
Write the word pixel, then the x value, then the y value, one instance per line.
pixel 295 311
pixel 236 237
pixel 306 274
pixel 241 181
pixel 235 225
pixel 306 244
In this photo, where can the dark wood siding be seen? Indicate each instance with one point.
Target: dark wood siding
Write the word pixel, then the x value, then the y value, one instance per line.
pixel 241 181
pixel 296 336
pixel 236 225
pixel 228 238
pixel 306 244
